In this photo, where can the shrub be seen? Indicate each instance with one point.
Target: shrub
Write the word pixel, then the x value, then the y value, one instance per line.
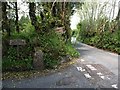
pixel 53 46
pixel 11 60
pixel 100 34
pixel 51 43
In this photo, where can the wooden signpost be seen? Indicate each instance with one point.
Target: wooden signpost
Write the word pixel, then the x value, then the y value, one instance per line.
pixel 17 42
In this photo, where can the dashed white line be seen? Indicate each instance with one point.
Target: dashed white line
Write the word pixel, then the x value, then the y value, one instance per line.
pixel 87 75
pixel 103 77
pixel 80 69
pixel 108 78
pixel 114 86
pixel 99 74
pixel 91 67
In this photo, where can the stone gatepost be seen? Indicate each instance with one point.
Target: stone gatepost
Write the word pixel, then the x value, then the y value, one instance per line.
pixel 38 61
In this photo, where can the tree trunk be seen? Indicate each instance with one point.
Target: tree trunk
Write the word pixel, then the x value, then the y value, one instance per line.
pixel 16 22
pixel 118 17
pixel 67 14
pixel 5 21
pixel 32 8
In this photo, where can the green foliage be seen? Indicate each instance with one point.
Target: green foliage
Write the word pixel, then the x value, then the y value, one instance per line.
pixel 100 32
pixel 53 46
pixel 22 23
pixel 17 65
pixel 51 43
pixel 70 50
pixel 27 33
pixel 50 60
pixel 22 59
pixel 105 37
pixel 17 60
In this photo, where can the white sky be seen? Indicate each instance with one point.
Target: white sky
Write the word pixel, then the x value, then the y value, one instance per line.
pixel 75 19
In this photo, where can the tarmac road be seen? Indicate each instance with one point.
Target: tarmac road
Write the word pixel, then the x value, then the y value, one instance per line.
pixel 94 69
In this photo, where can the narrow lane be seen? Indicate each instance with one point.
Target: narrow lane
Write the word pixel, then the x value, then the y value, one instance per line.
pixel 94 69
pixel 99 67
pixel 97 56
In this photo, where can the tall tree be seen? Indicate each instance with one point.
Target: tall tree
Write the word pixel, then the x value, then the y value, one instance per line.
pixel 32 9
pixel 5 21
pixel 16 22
pixel 0 16
pixel 118 16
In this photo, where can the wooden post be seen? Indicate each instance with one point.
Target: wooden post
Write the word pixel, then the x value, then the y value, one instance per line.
pixel 17 42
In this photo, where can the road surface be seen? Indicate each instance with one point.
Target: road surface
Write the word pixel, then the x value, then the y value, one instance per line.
pixel 94 69
pixel 97 56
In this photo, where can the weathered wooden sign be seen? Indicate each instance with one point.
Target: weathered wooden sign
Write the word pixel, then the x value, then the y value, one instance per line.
pixel 17 42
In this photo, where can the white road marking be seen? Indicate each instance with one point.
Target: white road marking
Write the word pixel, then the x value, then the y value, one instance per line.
pixel 91 67
pixel 82 60
pixel 103 77
pixel 99 74
pixel 80 69
pixel 87 75
pixel 108 78
pixel 114 86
